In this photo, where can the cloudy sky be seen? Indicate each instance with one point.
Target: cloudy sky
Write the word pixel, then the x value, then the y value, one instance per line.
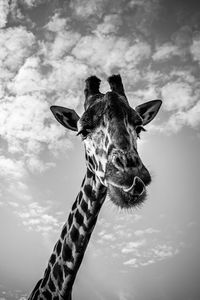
pixel 47 50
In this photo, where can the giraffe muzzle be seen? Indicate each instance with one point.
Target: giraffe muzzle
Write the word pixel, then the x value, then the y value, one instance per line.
pixel 137 188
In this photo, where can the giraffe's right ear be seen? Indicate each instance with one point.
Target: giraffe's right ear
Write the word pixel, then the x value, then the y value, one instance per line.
pixel 65 116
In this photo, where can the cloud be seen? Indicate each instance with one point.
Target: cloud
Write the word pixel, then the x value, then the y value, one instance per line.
pixel 182 37
pixel 110 25
pixel 108 237
pixel 17 194
pixel 56 23
pixel 110 54
pixel 4 10
pixel 32 3
pixel 16 45
pixel 37 165
pixel 138 248
pixel 149 93
pixel 25 116
pixel 67 75
pixel 138 52
pixel 165 52
pixel 35 217
pixel 62 39
pixel 29 78
pixel 164 251
pixel 132 262
pixel 131 246
pixel 146 231
pixel 177 95
pixel 147 263
pixel 151 254
pixel 183 118
pixel 194 48
pixel 23 125
pixel 87 8
pixel 125 296
pixel 11 169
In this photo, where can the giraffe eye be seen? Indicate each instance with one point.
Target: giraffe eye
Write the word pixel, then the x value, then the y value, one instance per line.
pixel 138 130
pixel 84 132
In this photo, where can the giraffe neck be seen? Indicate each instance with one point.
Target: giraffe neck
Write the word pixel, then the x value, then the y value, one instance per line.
pixel 68 252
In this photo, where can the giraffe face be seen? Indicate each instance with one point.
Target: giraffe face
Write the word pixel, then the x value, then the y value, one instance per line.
pixel 109 129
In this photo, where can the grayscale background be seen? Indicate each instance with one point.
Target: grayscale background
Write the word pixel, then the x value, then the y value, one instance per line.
pixel 47 50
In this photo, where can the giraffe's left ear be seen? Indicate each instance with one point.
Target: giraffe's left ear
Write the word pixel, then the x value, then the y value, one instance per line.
pixel 65 116
pixel 148 110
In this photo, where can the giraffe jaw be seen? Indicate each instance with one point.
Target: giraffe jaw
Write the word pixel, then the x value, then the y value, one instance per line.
pixel 128 197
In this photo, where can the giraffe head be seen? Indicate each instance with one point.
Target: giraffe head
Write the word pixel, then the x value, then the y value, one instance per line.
pixel 109 129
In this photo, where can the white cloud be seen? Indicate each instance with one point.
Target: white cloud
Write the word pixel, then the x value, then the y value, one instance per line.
pixel 108 237
pixel 22 118
pixel 87 8
pixel 183 38
pixel 149 93
pixel 176 122
pixel 138 52
pixel 182 75
pixel 67 75
pixel 132 262
pixel 16 44
pixel 25 125
pixel 111 24
pixel 11 169
pixel 35 217
pixel 148 262
pixel 146 231
pixel 56 23
pixel 15 191
pixel 62 45
pixel 177 95
pixel 32 3
pixel 165 52
pixel 131 246
pixel 29 78
pixel 194 48
pixel 61 40
pixel 137 217
pixel 25 88
pixel 37 165
pixel 110 53
pixel 4 10
pixel 13 204
pixel 125 296
pixel 164 251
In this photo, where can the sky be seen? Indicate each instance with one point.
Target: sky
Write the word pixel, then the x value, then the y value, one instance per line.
pixel 47 50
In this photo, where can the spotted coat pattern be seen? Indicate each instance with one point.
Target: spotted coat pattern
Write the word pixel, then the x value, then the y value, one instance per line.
pixel 69 250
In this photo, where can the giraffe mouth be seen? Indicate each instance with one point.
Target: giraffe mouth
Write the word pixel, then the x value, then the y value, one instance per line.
pixel 128 197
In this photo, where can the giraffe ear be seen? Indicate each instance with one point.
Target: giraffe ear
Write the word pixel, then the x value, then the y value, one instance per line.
pixel 148 110
pixel 65 116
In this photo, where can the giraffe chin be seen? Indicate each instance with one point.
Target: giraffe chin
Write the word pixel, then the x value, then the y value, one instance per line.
pixel 125 198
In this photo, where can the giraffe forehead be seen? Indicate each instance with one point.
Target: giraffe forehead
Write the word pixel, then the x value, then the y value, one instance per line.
pixel 111 106
pixel 93 115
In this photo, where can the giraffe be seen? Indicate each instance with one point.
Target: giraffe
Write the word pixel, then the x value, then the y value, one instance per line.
pixel 109 129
